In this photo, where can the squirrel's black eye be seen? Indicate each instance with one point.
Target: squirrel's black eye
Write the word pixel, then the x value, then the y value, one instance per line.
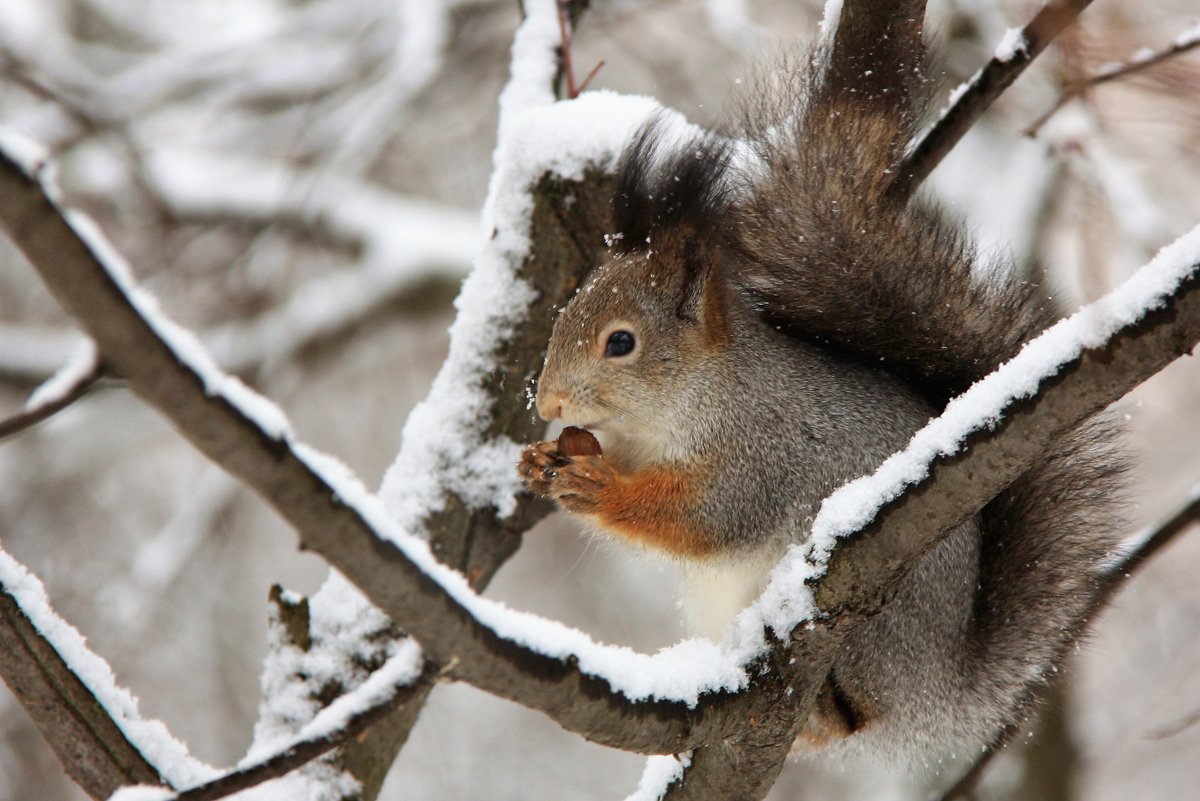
pixel 620 343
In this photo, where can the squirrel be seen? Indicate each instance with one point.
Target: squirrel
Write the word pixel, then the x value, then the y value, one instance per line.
pixel 769 323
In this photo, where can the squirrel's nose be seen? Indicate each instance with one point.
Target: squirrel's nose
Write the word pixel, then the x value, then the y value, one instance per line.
pixel 550 404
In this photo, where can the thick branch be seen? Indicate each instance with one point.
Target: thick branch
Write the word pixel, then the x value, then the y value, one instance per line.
pixel 958 486
pixel 987 85
pixel 745 764
pixel 92 748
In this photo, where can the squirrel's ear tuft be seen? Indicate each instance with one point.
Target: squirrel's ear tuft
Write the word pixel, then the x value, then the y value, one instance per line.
pixel 704 298
pixel 667 184
pixel 696 268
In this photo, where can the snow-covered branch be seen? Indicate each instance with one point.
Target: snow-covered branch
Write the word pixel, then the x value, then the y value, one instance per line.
pixel 70 692
pixel 70 383
pixel 1018 48
pixel 395 683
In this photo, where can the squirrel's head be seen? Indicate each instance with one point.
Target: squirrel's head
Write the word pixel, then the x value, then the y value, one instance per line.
pixel 635 341
pixel 638 336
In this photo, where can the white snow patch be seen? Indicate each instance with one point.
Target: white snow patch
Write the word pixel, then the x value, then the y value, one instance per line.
pixel 956 94
pixel 533 65
pixel 1189 37
pixel 660 773
pixel 830 19
pixel 29 155
pixel 401 669
pixel 142 792
pixel 1012 43
pixel 82 363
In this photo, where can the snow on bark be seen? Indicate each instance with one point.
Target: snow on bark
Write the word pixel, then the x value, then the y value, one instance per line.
pixel 78 367
pixel 168 756
pixel 659 774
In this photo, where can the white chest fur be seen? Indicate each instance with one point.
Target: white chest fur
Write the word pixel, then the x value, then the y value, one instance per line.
pixel 714 591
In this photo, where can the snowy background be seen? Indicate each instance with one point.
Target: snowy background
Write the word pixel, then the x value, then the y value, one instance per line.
pixel 300 182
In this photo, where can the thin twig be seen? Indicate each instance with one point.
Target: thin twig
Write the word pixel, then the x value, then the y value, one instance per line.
pixel 568 14
pixel 591 74
pixel 1176 728
pixel 1112 72
pixel 1130 559
pixel 302 752
pixel 36 414
pixel 987 85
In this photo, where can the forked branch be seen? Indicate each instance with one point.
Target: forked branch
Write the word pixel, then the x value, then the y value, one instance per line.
pixel 1017 52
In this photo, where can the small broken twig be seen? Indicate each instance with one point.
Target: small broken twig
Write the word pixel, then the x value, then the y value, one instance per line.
pixel 568 15
pixel 36 413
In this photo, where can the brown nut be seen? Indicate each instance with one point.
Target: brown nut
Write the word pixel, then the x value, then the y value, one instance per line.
pixel 577 442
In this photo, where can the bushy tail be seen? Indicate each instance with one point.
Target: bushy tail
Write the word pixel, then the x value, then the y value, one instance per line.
pixel 837 259
pixel 1044 539
pixel 834 257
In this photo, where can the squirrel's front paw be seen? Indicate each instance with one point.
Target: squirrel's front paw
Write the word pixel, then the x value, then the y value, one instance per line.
pixel 538 465
pixel 576 482
pixel 580 483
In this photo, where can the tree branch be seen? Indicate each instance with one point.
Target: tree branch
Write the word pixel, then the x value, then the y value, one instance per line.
pixel 1112 72
pixel 92 747
pixel 303 751
pixel 38 412
pixel 1125 563
pixel 1011 59
pixel 1131 558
